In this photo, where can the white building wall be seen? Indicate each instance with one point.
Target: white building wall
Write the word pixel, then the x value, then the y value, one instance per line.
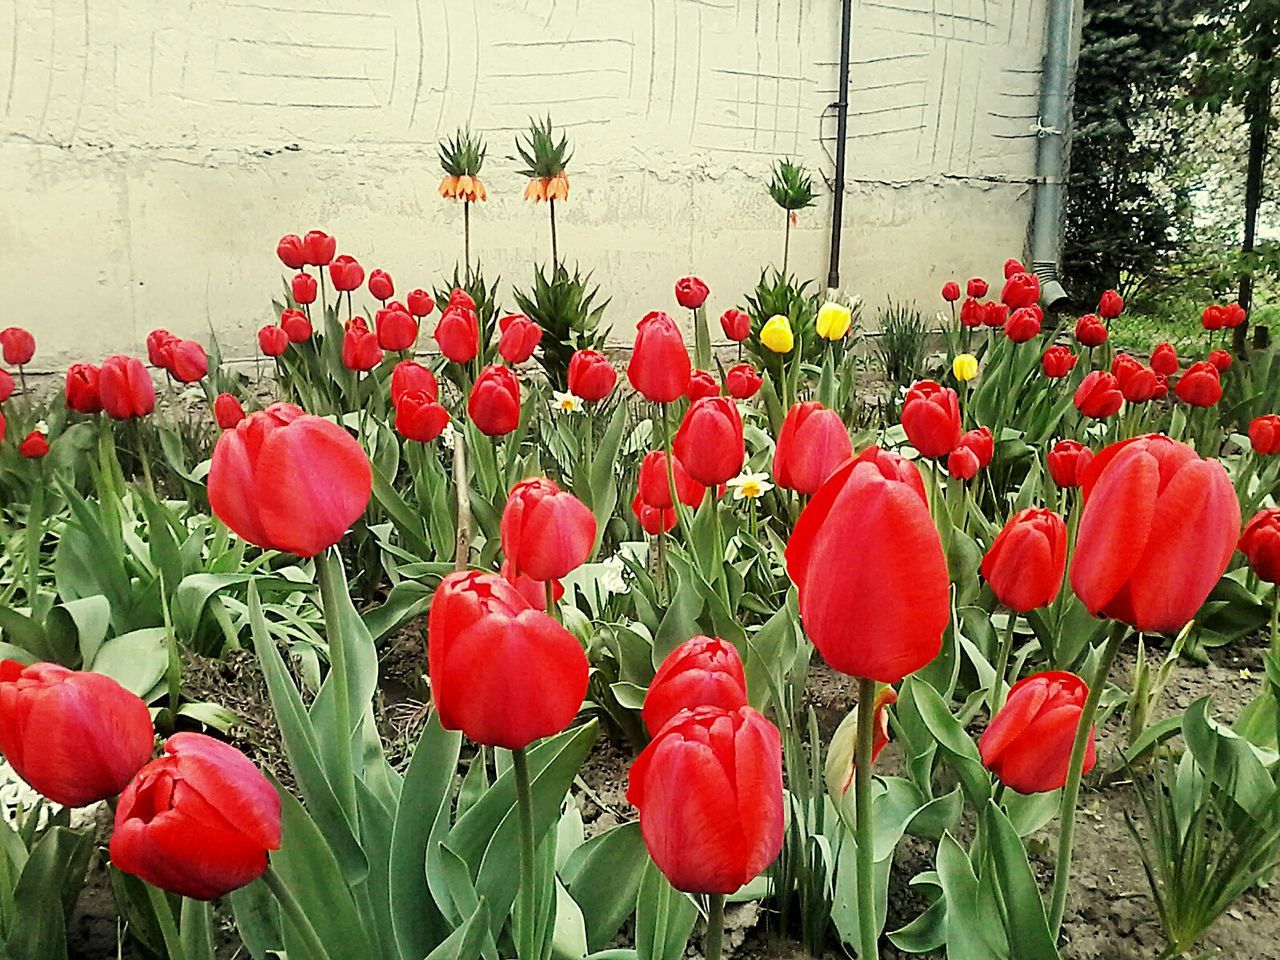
pixel 152 151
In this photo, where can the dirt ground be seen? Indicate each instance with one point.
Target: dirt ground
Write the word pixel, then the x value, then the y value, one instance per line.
pixel 1110 915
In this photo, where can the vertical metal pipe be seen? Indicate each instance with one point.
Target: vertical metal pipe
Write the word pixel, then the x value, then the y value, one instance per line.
pixel 1060 50
pixel 842 129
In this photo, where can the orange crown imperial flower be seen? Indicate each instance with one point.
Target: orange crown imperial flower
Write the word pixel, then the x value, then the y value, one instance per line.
pixel 461 159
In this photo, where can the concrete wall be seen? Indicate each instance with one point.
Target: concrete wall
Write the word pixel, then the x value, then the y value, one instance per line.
pixel 152 151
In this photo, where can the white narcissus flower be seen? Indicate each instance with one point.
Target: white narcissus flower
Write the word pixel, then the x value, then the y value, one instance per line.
pixel 565 402
pixel 750 486
pixel 448 435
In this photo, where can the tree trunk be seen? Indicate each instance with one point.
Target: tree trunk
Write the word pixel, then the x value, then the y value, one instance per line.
pixel 1258 116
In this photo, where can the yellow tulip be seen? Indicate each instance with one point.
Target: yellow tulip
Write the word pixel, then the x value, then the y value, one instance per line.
pixel 833 320
pixel 965 367
pixel 776 334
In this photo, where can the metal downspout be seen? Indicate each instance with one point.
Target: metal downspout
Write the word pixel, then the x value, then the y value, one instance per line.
pixel 842 129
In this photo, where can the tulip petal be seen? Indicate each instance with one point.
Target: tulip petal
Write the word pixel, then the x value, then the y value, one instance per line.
pixel 1115 526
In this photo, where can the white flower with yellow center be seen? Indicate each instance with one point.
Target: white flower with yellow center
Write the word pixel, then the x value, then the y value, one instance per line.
pixel 565 402
pixel 750 486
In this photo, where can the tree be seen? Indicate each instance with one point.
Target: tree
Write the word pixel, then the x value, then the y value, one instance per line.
pixel 1237 67
pixel 1125 205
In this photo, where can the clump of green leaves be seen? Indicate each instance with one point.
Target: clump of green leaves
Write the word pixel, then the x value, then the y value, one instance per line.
pixel 902 345
pixel 543 156
pixel 463 154
pixel 567 307
pixel 791 186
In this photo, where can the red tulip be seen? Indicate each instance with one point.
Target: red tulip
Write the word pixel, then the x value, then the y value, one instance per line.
pixel 346 273
pixel 227 411
pixel 284 480
pixel 1098 395
pixel 397 330
pixel 419 416
pixel 546 532
pixel 736 324
pixel 995 314
pixel 977 288
pixel 701 672
pixel 654 488
pixel 408 376
pixel 962 463
pixel 318 247
pixel 1123 367
pixel 1110 305
pixel 1264 435
pixel 591 375
pixel 951 291
pixel 1158 529
pixel 188 361
pixel 420 303
pixel 1164 359
pixel 1058 361
pixel 520 337
pixel 931 418
pixel 272 340
pixel 1261 544
pixel 75 737
pixel 1028 743
pixel 709 792
pixel 198 822
pixel 1027 560
pixel 866 557
pixel 304 288
pixel 1020 290
pixel 460 298
pixel 1234 315
pixel 533 591
pixel 290 251
pixel 1068 461
pixel 1214 317
pixel 702 384
pixel 1013 266
pixel 1201 385
pixel 380 285
pixel 653 520
pixel 1220 359
pixel 885 697
pixel 501 672
pixel 1143 385
pixel 812 443
pixel 1023 325
pixel 296 326
pixel 6 385
pixel 160 348
pixel 458 333
pixel 360 350
pixel 659 367
pixel 1091 331
pixel 981 442
pixel 4 425
pixel 19 346
pixel 691 292
pixel 742 382
pixel 494 404
pixel 125 388
pixel 34 446
pixel 973 313
pixel 709 441
pixel 82 388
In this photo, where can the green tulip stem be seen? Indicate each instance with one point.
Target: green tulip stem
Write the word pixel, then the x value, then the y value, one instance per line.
pixel 297 916
pixel 552 612
pixel 163 910
pixel 1275 621
pixel 1071 791
pixel 864 832
pixel 1002 665
pixel 713 946
pixel 329 573
pixel 526 947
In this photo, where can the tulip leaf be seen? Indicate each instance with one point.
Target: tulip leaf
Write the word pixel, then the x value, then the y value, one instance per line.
pixel 969 930
pixel 1227 759
pixel 961 752
pixel 196 929
pixel 466 942
pixel 604 876
pixel 84 622
pixel 664 918
pixel 423 813
pixel 136 660
pixel 26 634
pixel 924 934
pixel 56 863
pixel 1026 922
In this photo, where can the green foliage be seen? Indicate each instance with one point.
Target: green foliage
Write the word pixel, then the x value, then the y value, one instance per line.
pixel 791 186
pixel 543 156
pixel 567 308
pixel 901 347
pixel 462 154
